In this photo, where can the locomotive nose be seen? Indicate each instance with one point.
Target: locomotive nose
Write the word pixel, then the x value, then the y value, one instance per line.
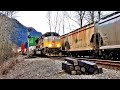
pixel 58 45
pixel 50 45
pixel 53 42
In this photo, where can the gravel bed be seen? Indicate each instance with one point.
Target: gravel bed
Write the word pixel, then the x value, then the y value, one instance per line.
pixel 45 68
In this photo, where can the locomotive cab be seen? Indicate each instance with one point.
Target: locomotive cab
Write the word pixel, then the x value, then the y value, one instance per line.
pixel 49 43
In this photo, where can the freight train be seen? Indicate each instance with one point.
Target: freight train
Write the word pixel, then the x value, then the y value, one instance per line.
pixel 97 40
pixel 48 44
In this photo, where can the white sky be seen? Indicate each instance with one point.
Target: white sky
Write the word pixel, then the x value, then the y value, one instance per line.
pixel 37 20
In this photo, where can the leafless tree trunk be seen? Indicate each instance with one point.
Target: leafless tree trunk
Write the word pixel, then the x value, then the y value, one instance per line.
pixel 99 15
pixel 81 16
pixel 91 16
pixel 56 21
pixel 59 26
pixel 63 22
pixel 49 19
pixel 71 17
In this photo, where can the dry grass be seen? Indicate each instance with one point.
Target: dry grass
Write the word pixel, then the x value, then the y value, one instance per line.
pixel 9 64
pixel 6 66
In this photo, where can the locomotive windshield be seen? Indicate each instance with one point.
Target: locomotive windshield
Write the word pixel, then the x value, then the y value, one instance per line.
pixel 51 34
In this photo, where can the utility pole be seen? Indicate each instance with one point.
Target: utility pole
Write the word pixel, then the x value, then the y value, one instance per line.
pixel 28 34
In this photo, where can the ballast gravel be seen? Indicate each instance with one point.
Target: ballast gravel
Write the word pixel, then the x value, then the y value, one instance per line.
pixel 46 68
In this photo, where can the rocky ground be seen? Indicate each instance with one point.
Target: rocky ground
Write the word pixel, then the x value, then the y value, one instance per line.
pixel 46 68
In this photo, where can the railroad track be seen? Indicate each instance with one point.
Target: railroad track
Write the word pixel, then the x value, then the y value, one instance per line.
pixel 97 61
pixel 61 58
pixel 104 63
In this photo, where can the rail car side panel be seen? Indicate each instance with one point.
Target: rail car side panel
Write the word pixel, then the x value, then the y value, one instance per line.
pixel 110 31
pixel 80 39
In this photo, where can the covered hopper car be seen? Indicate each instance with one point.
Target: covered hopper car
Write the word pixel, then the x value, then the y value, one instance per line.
pixel 79 42
pixel 101 39
pixel 109 29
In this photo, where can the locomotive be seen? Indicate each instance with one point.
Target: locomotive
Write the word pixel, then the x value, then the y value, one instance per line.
pixel 48 44
pixel 98 40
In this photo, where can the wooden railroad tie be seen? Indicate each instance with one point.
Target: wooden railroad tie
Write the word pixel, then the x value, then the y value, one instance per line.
pixel 77 67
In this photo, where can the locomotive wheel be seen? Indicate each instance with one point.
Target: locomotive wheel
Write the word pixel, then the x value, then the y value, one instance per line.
pixel 44 51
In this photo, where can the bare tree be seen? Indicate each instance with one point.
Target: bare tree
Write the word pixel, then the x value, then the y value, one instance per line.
pixel 80 17
pixel 9 13
pixel 53 20
pixel 77 17
pixel 63 22
pixel 56 21
pixel 49 19
pixel 59 26
pixel 99 15
pixel 91 13
pixel 93 16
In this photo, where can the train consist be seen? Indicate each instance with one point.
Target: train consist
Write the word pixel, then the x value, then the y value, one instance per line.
pixel 101 39
pixel 49 43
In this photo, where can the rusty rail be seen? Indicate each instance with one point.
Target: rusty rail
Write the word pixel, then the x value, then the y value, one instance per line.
pixel 105 63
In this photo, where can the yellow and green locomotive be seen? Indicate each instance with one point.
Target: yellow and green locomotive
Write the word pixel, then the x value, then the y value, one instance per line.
pixel 49 43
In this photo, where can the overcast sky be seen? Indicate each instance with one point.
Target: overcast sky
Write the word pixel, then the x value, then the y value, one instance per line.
pixel 37 20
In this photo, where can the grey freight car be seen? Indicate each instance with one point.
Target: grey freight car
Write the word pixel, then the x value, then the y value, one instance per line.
pixel 109 29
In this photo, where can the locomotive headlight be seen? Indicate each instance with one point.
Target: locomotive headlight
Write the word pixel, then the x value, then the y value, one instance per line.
pixel 91 48
pixel 50 45
pixel 58 45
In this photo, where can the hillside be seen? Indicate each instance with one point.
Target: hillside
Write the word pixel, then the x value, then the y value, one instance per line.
pixel 21 32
